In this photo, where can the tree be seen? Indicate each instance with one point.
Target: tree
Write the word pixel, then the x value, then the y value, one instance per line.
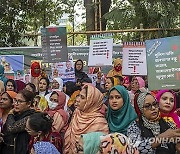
pixel 151 13
pixel 90 14
pixel 19 17
pixel 12 22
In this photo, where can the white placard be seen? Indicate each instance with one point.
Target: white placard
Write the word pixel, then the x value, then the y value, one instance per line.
pixel 134 59
pixel 100 52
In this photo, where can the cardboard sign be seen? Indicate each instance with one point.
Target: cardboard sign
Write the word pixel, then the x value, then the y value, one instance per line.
pixel 134 59
pixel 100 51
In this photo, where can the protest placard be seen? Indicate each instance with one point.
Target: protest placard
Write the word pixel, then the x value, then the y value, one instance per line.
pixel 64 70
pixel 163 63
pixel 100 51
pixel 54 44
pixel 134 58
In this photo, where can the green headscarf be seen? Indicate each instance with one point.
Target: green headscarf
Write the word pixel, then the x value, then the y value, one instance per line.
pixel 119 120
pixel 91 142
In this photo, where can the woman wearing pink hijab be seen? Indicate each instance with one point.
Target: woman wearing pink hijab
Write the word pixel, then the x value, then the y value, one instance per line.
pixel 167 105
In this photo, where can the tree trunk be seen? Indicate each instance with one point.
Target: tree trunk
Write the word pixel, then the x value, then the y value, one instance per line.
pixel 90 25
pixel 105 6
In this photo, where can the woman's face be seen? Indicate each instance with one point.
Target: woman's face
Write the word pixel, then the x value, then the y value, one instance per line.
pixel 134 85
pixel 54 98
pixel 37 70
pixel 115 100
pixel 150 108
pixel 79 65
pixel 5 102
pixel 9 86
pixel 28 87
pixel 166 102
pixel 81 99
pixel 20 104
pixel 108 84
pixel 55 84
pixel 42 85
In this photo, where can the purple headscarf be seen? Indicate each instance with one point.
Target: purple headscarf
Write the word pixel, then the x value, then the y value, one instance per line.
pixel 171 114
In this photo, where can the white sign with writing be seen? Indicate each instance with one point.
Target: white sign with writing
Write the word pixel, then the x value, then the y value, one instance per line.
pixel 100 52
pixel 134 59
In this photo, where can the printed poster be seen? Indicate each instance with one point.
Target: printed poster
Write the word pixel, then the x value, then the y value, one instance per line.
pixel 163 63
pixel 100 50
pixel 64 70
pixel 12 63
pixel 134 59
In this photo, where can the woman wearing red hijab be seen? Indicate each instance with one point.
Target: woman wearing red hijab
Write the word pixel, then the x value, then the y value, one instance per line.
pixel 35 73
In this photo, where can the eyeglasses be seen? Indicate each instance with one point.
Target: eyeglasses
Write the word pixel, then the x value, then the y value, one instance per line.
pixel 15 101
pixel 149 106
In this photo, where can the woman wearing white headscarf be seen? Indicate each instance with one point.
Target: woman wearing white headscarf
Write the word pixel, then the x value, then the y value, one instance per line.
pixel 57 85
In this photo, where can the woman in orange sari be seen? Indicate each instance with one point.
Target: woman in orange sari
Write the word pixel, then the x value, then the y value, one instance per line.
pixel 86 118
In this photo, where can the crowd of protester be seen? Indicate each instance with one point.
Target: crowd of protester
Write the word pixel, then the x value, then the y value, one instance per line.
pixel 118 116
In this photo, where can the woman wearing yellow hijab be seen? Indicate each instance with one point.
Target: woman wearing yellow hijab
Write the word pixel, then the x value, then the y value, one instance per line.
pixel 117 69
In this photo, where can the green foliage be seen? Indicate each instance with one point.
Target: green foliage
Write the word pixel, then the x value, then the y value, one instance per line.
pixel 21 16
pixel 151 13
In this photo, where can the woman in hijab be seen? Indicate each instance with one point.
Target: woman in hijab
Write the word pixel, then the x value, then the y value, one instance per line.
pixel 137 86
pixel 57 84
pixel 35 69
pixel 35 73
pixel 86 118
pixel 167 106
pixel 151 133
pixel 79 74
pixel 117 69
pixel 56 104
pixel 120 112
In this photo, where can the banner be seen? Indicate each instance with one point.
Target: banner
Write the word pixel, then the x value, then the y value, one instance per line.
pixel 163 63
pixel 12 63
pixel 134 58
pixel 64 70
pixel 100 50
pixel 54 44
pixel 77 52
